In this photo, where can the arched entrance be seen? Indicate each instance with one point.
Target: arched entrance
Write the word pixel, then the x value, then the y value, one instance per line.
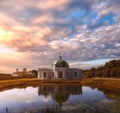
pixel 60 74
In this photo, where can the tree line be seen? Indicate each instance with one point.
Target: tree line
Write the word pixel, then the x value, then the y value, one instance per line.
pixel 110 69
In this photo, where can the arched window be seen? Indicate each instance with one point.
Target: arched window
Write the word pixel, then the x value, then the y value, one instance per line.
pixel 53 74
pixel 44 74
pixel 75 74
pixel 67 74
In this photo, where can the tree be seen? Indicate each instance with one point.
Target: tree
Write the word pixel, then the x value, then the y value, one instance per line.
pixel 35 73
pixel 110 69
pixel 113 72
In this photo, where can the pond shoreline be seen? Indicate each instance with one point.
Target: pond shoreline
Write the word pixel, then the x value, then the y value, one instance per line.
pixel 112 84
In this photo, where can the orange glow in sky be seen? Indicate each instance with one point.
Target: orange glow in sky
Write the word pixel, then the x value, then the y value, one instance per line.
pixel 32 31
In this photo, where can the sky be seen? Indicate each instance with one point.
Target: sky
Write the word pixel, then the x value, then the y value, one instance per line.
pixel 87 32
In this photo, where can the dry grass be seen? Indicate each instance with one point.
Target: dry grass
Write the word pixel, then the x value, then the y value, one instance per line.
pixel 7 84
pixel 104 83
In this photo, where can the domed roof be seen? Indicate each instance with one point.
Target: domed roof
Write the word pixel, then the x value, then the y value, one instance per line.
pixel 61 63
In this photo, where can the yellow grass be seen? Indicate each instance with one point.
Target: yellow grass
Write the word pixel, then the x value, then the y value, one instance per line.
pixel 112 84
pixel 104 83
pixel 7 84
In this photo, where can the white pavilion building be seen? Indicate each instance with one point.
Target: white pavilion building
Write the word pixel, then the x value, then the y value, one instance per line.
pixel 61 70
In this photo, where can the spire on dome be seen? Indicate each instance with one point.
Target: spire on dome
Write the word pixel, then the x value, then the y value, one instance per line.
pixel 60 55
pixel 60 52
pixel 60 63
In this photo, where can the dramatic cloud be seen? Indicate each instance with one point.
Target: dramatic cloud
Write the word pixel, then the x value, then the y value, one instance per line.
pixel 31 33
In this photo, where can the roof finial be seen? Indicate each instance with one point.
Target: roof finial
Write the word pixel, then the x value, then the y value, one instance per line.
pixel 60 55
pixel 60 52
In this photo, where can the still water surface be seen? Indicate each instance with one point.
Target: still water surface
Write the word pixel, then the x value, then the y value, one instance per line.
pixel 58 99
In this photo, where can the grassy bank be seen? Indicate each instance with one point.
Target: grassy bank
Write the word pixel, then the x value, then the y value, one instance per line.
pixel 8 84
pixel 112 84
pixel 104 83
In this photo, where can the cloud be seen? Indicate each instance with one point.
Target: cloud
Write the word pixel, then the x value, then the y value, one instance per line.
pixel 85 30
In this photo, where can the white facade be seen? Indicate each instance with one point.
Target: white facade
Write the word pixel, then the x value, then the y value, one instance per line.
pixel 45 73
pixel 60 70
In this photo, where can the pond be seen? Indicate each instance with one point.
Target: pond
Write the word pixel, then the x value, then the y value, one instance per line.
pixel 59 99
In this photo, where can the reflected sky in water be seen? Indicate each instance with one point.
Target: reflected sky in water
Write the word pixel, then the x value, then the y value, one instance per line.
pixel 43 99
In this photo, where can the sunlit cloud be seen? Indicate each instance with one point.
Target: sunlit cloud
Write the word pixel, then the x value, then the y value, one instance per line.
pixel 32 32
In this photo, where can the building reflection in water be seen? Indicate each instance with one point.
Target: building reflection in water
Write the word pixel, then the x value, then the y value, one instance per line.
pixel 59 94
